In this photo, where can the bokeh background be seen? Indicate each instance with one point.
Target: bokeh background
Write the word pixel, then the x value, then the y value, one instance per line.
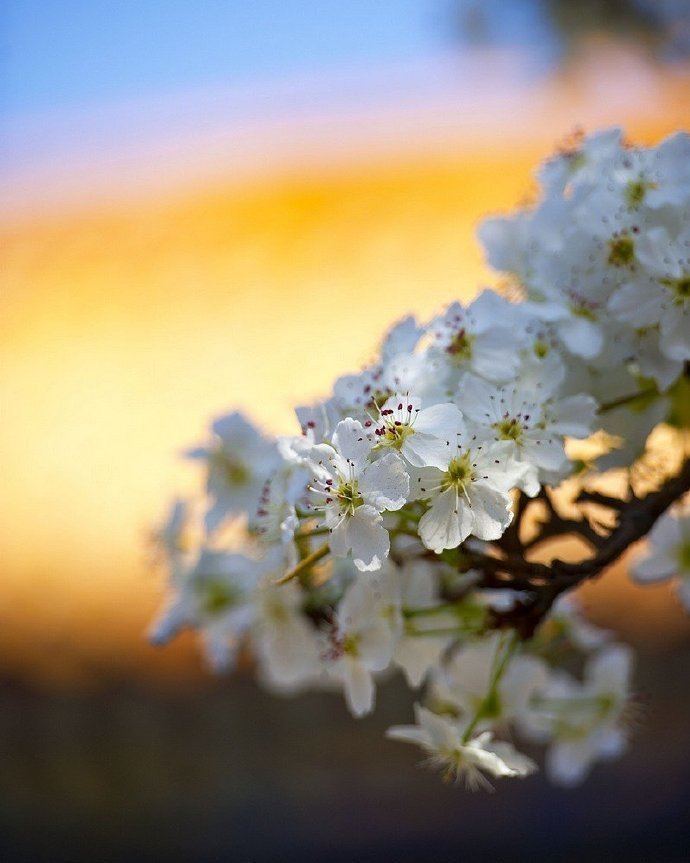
pixel 223 204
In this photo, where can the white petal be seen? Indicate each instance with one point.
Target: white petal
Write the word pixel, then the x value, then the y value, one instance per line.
pixel 444 421
pixel 582 337
pixel 495 355
pixel 490 509
pixel 609 671
pixel 637 303
pixel 408 734
pixel 514 763
pixel 574 416
pixel 376 644
pixel 423 450
pixel 363 535
pixel 401 338
pixel 675 332
pixel 654 567
pixel 568 763
pixel 359 687
pixel 351 441
pixel 416 656
pixel 385 484
pixel 446 523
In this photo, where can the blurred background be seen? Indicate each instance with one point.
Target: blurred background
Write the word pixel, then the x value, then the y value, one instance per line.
pixel 224 204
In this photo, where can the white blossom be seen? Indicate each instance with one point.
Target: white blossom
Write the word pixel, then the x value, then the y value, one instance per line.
pixel 667 555
pixel 482 338
pixel 420 435
pixel 468 496
pixel 353 492
pixel 380 539
pixel 484 681
pixel 285 641
pixel 217 597
pixel 532 427
pixel 417 654
pixel 470 760
pixel 363 639
pixel 239 460
pixel 659 292
pixel 585 721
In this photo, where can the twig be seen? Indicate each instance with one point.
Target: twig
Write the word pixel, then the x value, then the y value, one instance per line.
pixel 304 564
pixel 601 499
pixel 546 582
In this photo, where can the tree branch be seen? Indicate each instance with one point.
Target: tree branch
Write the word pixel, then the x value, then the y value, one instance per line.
pixel 546 582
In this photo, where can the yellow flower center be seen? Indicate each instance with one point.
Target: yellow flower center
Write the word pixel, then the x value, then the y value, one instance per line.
pixel 217 596
pixel 621 251
pixel 459 473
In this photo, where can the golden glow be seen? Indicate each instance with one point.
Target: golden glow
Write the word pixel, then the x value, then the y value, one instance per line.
pixel 125 330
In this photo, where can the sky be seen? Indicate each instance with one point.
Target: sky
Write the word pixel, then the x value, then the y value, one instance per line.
pixel 83 51
pixel 92 91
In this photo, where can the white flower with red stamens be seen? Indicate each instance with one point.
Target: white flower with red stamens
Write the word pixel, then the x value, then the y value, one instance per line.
pixel 482 338
pixel 533 429
pixel 353 492
pixel 468 496
pixel 421 435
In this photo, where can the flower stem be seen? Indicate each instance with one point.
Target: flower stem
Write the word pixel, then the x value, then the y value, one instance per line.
pixel 304 564
pixel 504 652
pixel 624 400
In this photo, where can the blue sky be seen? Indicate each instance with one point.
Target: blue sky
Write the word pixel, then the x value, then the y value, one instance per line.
pixel 77 52
pixel 67 53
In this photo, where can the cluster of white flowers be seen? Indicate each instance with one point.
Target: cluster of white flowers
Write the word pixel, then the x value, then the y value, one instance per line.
pixel 351 558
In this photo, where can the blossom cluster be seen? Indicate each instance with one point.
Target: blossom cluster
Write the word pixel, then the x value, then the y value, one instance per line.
pixel 342 554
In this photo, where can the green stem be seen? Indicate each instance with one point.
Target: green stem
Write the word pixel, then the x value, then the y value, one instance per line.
pixel 317 531
pixel 500 662
pixel 429 610
pixel 624 400
pixel 445 630
pixel 304 564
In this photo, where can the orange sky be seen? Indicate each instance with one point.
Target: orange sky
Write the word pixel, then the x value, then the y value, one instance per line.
pixel 125 327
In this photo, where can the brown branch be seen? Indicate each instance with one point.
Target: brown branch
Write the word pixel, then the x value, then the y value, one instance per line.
pixel 556 525
pixel 547 582
pixel 600 499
